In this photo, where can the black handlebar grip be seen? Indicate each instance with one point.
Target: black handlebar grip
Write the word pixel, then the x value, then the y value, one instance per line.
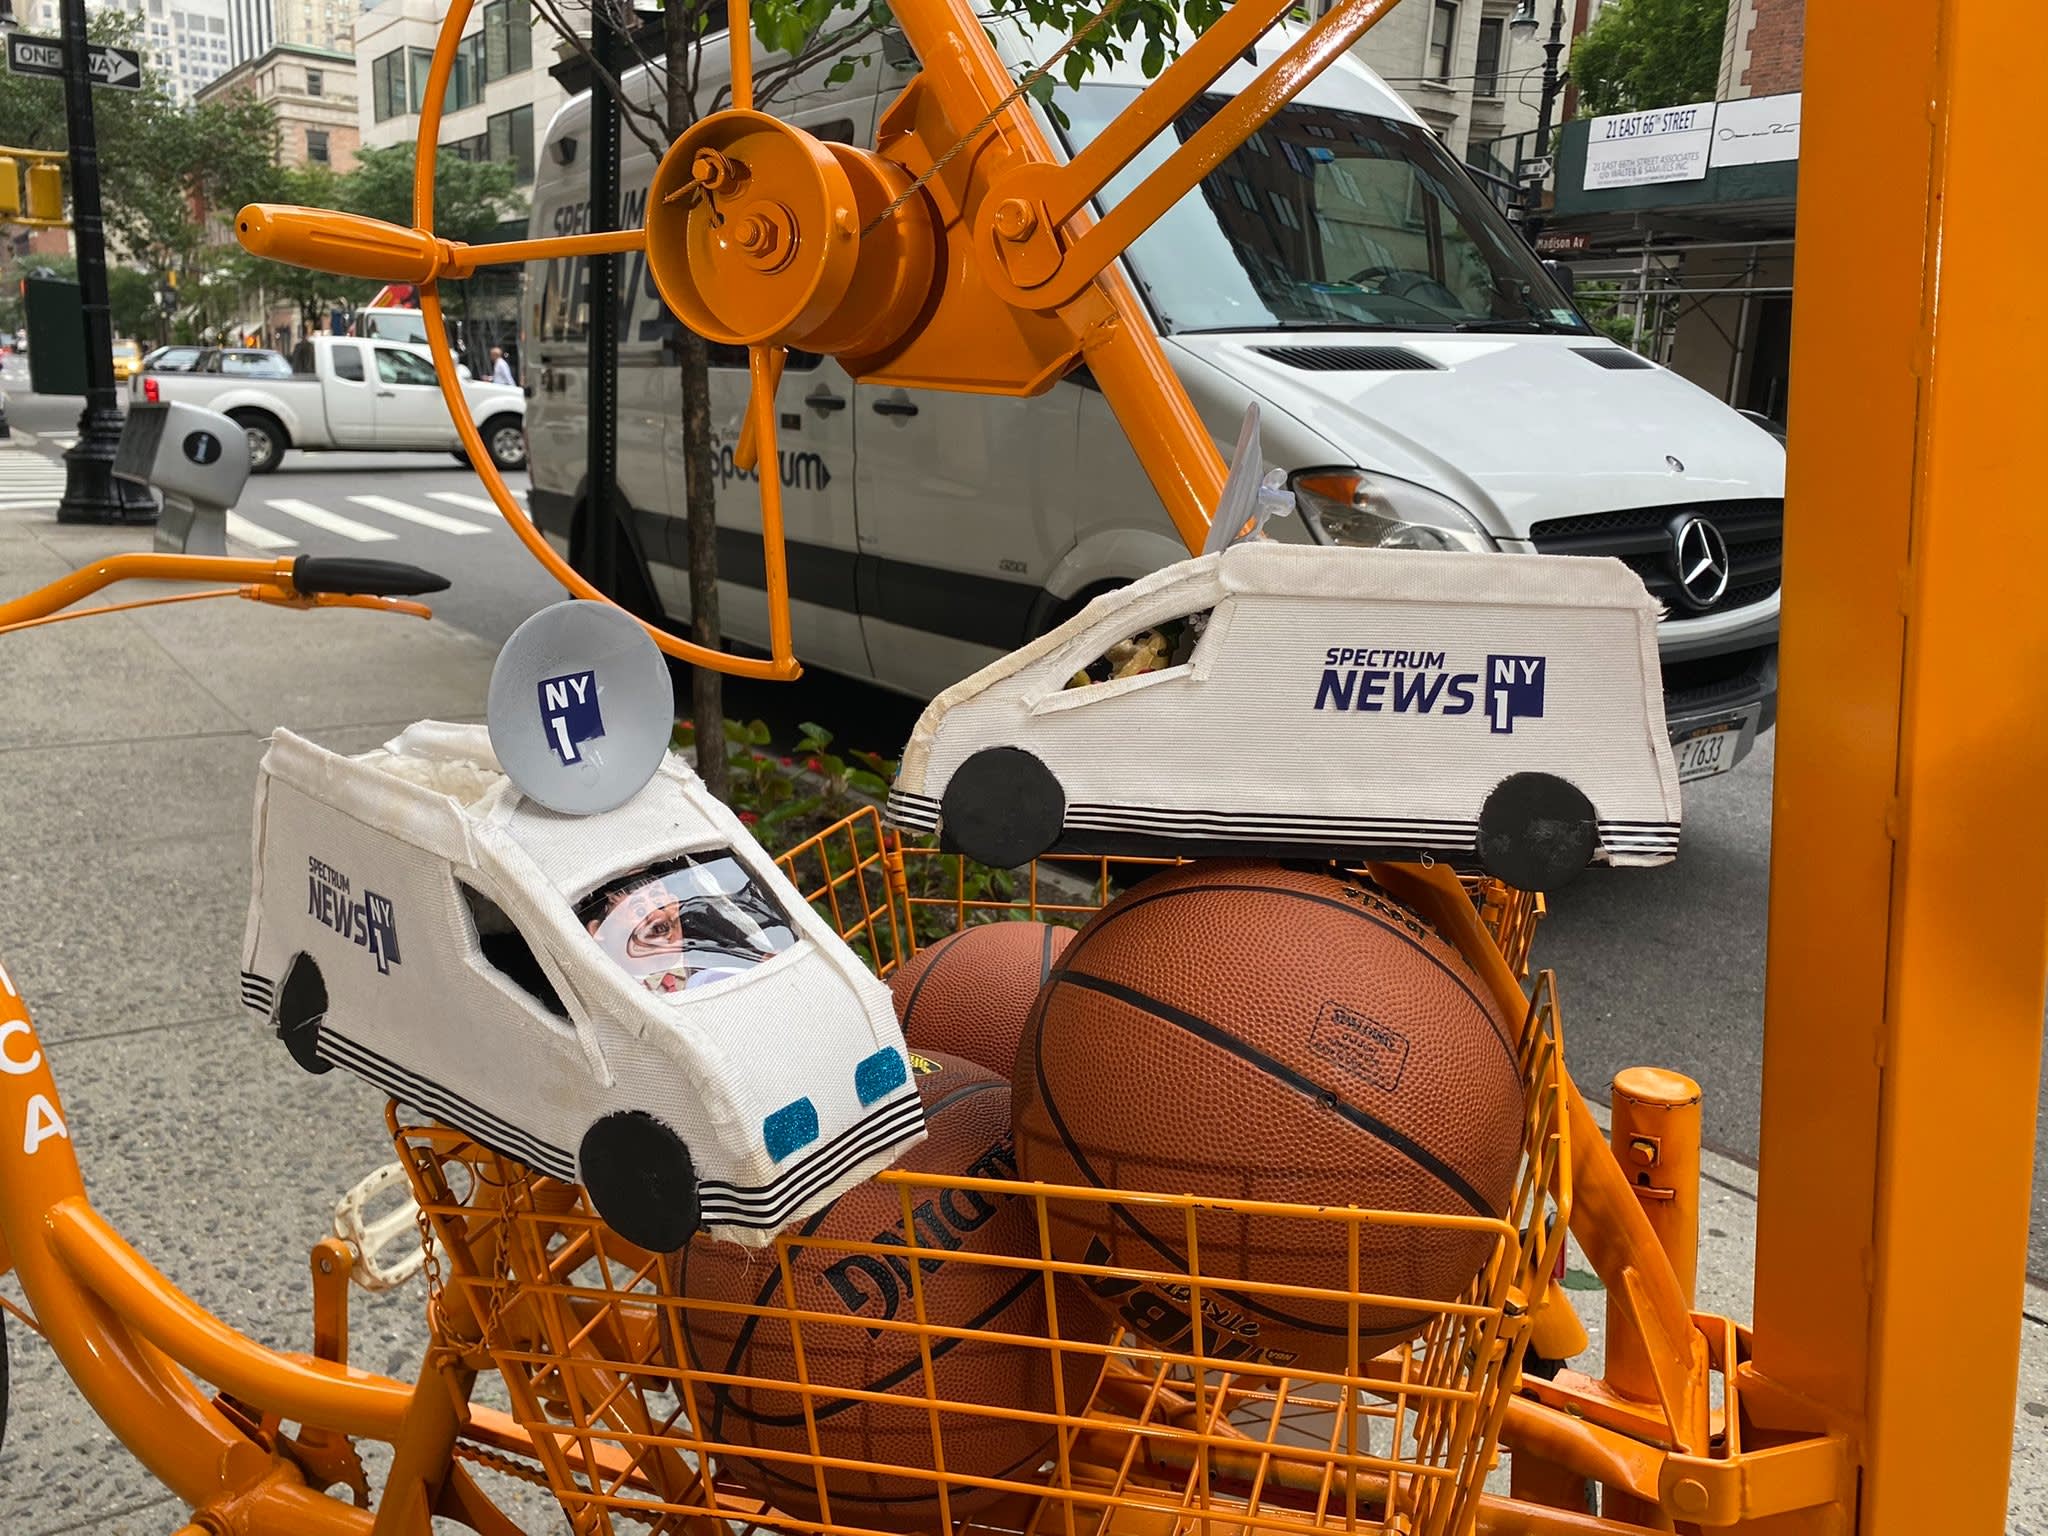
pixel 313 574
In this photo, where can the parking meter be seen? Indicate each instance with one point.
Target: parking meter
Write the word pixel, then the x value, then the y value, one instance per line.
pixel 197 460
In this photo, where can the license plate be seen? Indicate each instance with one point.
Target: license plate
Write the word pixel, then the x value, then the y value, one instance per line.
pixel 1709 750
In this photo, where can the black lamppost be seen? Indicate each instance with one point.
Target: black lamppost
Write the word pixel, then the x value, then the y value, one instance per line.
pixel 1522 28
pixel 91 493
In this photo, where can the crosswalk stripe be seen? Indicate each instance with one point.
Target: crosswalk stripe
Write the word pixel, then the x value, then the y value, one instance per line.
pixel 464 499
pixel 440 522
pixel 332 522
pixel 239 527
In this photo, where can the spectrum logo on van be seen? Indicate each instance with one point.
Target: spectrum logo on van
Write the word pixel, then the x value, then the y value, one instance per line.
pixel 1380 680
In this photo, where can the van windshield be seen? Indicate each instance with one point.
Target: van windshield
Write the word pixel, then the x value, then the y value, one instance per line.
pixel 1324 219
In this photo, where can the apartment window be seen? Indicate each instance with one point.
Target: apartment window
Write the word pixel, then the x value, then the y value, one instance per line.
pixel 388 85
pixel 466 82
pixel 508 38
pixel 511 142
pixel 316 146
pixel 420 60
pixel 316 85
pixel 1486 67
pixel 1443 40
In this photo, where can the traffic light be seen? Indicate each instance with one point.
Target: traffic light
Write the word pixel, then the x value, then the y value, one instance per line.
pixel 10 187
pixel 46 191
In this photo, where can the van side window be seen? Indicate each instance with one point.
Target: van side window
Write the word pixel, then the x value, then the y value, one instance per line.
pixel 838 131
pixel 1169 643
pixel 506 951
pixel 348 362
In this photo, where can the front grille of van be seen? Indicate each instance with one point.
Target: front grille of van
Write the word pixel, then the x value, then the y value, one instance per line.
pixel 1350 359
pixel 1641 539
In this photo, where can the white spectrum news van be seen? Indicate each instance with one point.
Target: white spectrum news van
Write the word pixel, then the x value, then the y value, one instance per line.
pixel 1420 376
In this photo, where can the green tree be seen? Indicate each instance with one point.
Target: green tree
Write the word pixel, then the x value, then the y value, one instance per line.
pixel 472 198
pixel 314 293
pixel 1641 54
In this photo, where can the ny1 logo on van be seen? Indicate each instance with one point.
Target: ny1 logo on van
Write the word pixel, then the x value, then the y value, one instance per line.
pixel 1382 680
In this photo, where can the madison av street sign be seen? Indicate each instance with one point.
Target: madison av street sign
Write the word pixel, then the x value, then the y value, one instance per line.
pixel 30 55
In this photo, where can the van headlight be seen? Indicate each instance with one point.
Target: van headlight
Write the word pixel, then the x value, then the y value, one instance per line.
pixel 1352 507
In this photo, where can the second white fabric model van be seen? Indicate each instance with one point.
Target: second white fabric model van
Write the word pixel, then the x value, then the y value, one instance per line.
pixel 1423 380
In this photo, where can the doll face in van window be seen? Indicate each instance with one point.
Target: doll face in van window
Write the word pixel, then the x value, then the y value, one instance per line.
pixel 686 922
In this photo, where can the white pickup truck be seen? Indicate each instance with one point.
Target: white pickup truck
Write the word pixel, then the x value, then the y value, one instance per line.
pixel 353 393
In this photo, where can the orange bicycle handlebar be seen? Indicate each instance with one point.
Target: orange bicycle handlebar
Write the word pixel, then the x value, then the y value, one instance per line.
pixel 306 581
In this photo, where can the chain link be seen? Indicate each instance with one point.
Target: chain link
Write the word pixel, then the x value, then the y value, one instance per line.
pixel 1023 88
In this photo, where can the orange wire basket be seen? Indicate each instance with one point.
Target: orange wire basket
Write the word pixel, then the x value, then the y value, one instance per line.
pixel 629 1416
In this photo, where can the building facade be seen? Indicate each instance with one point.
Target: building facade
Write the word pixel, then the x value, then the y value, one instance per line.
pixel 500 95
pixel 183 42
pixel 313 93
pixel 1457 64
pixel 1693 245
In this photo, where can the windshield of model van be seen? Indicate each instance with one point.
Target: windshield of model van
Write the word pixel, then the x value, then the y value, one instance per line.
pixel 1324 219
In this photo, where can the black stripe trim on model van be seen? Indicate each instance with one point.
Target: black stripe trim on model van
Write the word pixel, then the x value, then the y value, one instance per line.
pixel 445 1104
pixel 879 1134
pixel 957 604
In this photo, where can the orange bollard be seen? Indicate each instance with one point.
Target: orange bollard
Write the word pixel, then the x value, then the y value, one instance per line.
pixel 1656 1140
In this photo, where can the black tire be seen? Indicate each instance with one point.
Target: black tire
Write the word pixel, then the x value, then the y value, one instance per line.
pixel 267 440
pixel 641 1179
pixel 460 456
pixel 1002 807
pixel 300 1007
pixel 1536 831
pixel 505 441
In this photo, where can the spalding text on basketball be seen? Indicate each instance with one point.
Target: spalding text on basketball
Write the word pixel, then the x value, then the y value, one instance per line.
pixel 1158 1314
pixel 878 1286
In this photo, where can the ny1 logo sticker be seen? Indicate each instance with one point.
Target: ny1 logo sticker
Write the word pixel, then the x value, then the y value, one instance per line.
pixel 568 711
pixel 1514 691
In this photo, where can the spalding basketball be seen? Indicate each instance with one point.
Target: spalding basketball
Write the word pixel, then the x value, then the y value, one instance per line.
pixel 1266 1032
pixel 967 1117
pixel 970 993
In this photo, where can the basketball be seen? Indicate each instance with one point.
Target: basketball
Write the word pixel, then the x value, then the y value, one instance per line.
pixel 1260 1031
pixel 967 1116
pixel 970 993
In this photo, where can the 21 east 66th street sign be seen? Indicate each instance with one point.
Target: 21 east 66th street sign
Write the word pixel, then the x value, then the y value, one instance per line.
pixel 30 55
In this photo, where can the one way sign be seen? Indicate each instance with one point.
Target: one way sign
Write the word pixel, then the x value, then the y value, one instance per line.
pixel 31 55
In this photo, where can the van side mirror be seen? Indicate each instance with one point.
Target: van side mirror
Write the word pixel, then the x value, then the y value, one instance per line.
pixel 1562 274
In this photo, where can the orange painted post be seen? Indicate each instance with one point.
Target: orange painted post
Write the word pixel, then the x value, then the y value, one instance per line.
pixel 1909 892
pixel 1656 1138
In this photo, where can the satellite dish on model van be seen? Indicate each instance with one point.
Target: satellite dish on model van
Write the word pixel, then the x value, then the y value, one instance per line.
pixel 581 707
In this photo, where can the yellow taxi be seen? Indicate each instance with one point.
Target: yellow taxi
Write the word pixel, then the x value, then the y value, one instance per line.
pixel 127 360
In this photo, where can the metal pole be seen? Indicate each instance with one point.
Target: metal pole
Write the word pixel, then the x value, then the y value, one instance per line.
pixel 602 472
pixel 1553 82
pixel 91 493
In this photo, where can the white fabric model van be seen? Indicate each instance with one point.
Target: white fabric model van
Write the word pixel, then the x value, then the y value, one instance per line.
pixel 1502 710
pixel 636 1000
pixel 1422 379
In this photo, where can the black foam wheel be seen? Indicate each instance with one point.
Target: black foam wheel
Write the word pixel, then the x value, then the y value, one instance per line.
pixel 1002 807
pixel 642 1180
pixel 1536 831
pixel 301 1005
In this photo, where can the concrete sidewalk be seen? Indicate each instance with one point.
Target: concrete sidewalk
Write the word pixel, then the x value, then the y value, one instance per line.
pixel 128 750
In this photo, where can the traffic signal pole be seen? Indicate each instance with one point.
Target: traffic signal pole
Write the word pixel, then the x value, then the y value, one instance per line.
pixel 91 493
